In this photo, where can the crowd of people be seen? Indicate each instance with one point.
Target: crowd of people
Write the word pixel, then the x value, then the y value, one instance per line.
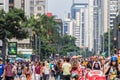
pixel 71 68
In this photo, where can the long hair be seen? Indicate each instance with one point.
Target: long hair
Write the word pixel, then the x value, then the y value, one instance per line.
pixel 74 64
pixel 116 65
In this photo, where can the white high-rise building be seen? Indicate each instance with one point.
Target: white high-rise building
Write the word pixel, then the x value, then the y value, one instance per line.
pixel 68 26
pixel 112 11
pixel 90 22
pixel 105 15
pixel 35 7
pixel 79 16
pixel 95 23
pixel 31 7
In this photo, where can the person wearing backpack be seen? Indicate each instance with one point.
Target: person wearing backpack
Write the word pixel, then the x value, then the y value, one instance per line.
pixel 8 70
pixel 58 70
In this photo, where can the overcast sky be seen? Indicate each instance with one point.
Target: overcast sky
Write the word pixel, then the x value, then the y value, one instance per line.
pixel 60 8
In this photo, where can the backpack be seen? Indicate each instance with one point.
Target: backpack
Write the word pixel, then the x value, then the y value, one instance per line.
pixel 9 72
pixel 118 76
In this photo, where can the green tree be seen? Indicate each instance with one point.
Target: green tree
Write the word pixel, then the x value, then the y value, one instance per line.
pixel 46 29
pixel 12 24
pixel 106 41
pixel 67 44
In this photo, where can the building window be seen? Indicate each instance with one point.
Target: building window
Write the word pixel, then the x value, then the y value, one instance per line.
pixel 82 17
pixel 11 1
pixel 1 3
pixel 111 22
pixel 37 2
pixel 32 9
pixel 39 14
pixel 39 8
pixel 31 2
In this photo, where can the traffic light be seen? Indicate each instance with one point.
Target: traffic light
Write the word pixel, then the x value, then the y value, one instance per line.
pixel 115 50
pixel 12 48
pixel 119 27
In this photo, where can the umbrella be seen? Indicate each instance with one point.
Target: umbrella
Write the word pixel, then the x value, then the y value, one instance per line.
pixel 19 59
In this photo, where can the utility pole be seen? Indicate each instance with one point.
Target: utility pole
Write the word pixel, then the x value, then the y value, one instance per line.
pixel 108 29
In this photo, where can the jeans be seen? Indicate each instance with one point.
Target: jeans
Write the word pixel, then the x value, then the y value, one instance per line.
pixel 46 77
pixel 57 77
pixel 0 78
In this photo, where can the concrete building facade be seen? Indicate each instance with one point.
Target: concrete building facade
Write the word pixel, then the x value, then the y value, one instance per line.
pixel 90 22
pixel 4 5
pixel 79 15
pixel 35 7
pixel 31 7
pixel 95 24
pixel 68 27
pixel 112 11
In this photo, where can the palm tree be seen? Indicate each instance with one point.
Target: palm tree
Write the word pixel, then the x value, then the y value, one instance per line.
pixel 46 30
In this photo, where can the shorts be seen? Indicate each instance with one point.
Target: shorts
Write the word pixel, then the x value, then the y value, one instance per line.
pixel 9 78
pixel 18 76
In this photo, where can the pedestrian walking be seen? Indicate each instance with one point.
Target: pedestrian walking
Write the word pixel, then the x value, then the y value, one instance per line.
pixel 66 67
pixel 28 73
pixel 8 70
pixel 38 71
pixel 58 70
pixel 46 71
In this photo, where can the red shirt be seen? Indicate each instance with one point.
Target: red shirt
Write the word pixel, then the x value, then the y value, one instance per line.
pixel 38 69
pixel 8 69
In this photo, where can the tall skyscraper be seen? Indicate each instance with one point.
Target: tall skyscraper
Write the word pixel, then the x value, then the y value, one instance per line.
pixel 97 27
pixel 104 10
pixel 95 23
pixel 90 22
pixel 79 14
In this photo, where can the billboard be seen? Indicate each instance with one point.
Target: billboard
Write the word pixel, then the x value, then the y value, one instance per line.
pixel 12 48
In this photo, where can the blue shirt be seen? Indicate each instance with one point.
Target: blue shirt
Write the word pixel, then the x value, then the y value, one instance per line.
pixel 1 69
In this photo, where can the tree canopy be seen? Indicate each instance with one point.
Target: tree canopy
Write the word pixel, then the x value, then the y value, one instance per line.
pixel 12 24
